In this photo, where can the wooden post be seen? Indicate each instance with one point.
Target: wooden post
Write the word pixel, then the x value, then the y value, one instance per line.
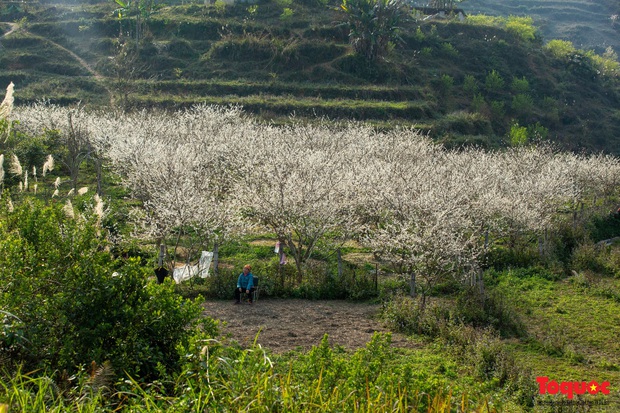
pixel 339 264
pixel 376 277
pixel 216 258
pixel 412 283
pixel 162 254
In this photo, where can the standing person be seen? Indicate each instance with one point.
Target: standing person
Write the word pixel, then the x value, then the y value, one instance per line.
pixel 245 283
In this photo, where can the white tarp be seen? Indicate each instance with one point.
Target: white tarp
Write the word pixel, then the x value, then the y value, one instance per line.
pixel 188 271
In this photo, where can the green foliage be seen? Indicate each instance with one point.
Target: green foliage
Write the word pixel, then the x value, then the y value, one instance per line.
pixel 470 85
pixel 523 27
pixel 484 20
pixel 445 85
pixel 494 82
pixel 478 103
pixel 604 227
pixel 497 109
pixel 287 14
pixel 607 64
pixel 596 258
pixel 373 25
pixel 560 49
pixel 522 104
pixel 537 132
pixel 520 85
pixel 76 303
pixel 448 50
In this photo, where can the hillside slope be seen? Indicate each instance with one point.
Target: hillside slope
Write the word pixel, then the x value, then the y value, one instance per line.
pixel 461 82
pixel 588 24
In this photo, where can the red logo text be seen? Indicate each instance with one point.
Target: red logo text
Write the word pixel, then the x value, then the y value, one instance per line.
pixel 570 388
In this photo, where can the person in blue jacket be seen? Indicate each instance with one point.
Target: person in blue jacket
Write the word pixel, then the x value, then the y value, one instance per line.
pixel 245 283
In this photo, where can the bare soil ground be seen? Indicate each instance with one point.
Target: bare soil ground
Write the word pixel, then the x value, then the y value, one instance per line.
pixel 289 324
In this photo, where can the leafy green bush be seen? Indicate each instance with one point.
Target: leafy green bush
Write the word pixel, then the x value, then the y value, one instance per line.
pixel 523 27
pixel 601 259
pixel 520 85
pixel 494 82
pixel 470 85
pixel 522 104
pixel 517 135
pixel 77 304
pixel 560 49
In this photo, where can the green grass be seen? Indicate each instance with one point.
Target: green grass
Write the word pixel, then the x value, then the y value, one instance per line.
pixel 571 328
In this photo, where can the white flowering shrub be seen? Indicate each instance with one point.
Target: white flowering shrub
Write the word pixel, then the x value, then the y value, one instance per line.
pixel 431 212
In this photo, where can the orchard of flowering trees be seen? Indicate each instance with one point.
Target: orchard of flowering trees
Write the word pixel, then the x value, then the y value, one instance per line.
pixel 431 212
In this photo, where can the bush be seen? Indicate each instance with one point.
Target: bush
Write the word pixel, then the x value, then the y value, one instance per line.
pixel 601 259
pixel 77 304
pixel 494 82
pixel 560 49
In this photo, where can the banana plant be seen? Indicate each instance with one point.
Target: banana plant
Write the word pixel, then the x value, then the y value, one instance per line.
pixel 373 25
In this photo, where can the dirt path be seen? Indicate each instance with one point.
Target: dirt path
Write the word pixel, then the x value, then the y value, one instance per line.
pixel 12 28
pixel 100 78
pixel 287 324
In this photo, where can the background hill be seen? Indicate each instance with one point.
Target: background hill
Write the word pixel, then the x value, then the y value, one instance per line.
pixel 482 81
pixel 588 24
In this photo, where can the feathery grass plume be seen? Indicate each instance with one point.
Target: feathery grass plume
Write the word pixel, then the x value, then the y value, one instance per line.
pixel 34 172
pixel 71 192
pixel 55 193
pixel 35 188
pixel 10 205
pixel 21 186
pixel 98 208
pixel 1 168
pixel 101 377
pixel 6 107
pixel 68 209
pixel 25 180
pixel 48 166
pixel 82 190
pixel 16 166
pixel 57 183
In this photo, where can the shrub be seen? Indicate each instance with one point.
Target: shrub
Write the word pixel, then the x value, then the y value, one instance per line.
pixel 517 135
pixel 494 82
pixel 520 85
pixel 601 259
pixel 470 85
pixel 522 27
pixel 89 306
pixel 560 49
pixel 522 104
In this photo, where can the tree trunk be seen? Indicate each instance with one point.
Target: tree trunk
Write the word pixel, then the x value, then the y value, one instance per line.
pixel 216 259
pixel 412 284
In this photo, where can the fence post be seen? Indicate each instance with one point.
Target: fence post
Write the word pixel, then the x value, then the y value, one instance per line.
pixel 216 258
pixel 162 253
pixel 339 264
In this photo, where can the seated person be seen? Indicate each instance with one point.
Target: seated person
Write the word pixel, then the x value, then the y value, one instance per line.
pixel 245 283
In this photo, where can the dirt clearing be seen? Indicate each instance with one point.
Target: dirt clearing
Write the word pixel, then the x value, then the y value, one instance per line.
pixel 288 324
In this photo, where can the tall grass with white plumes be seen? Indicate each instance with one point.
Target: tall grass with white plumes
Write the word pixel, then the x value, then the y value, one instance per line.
pixel 2 170
pixel 6 107
pixel 48 166
pixel 16 166
pixel 68 209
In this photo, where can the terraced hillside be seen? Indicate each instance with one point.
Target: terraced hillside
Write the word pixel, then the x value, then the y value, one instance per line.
pixel 588 24
pixel 461 82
